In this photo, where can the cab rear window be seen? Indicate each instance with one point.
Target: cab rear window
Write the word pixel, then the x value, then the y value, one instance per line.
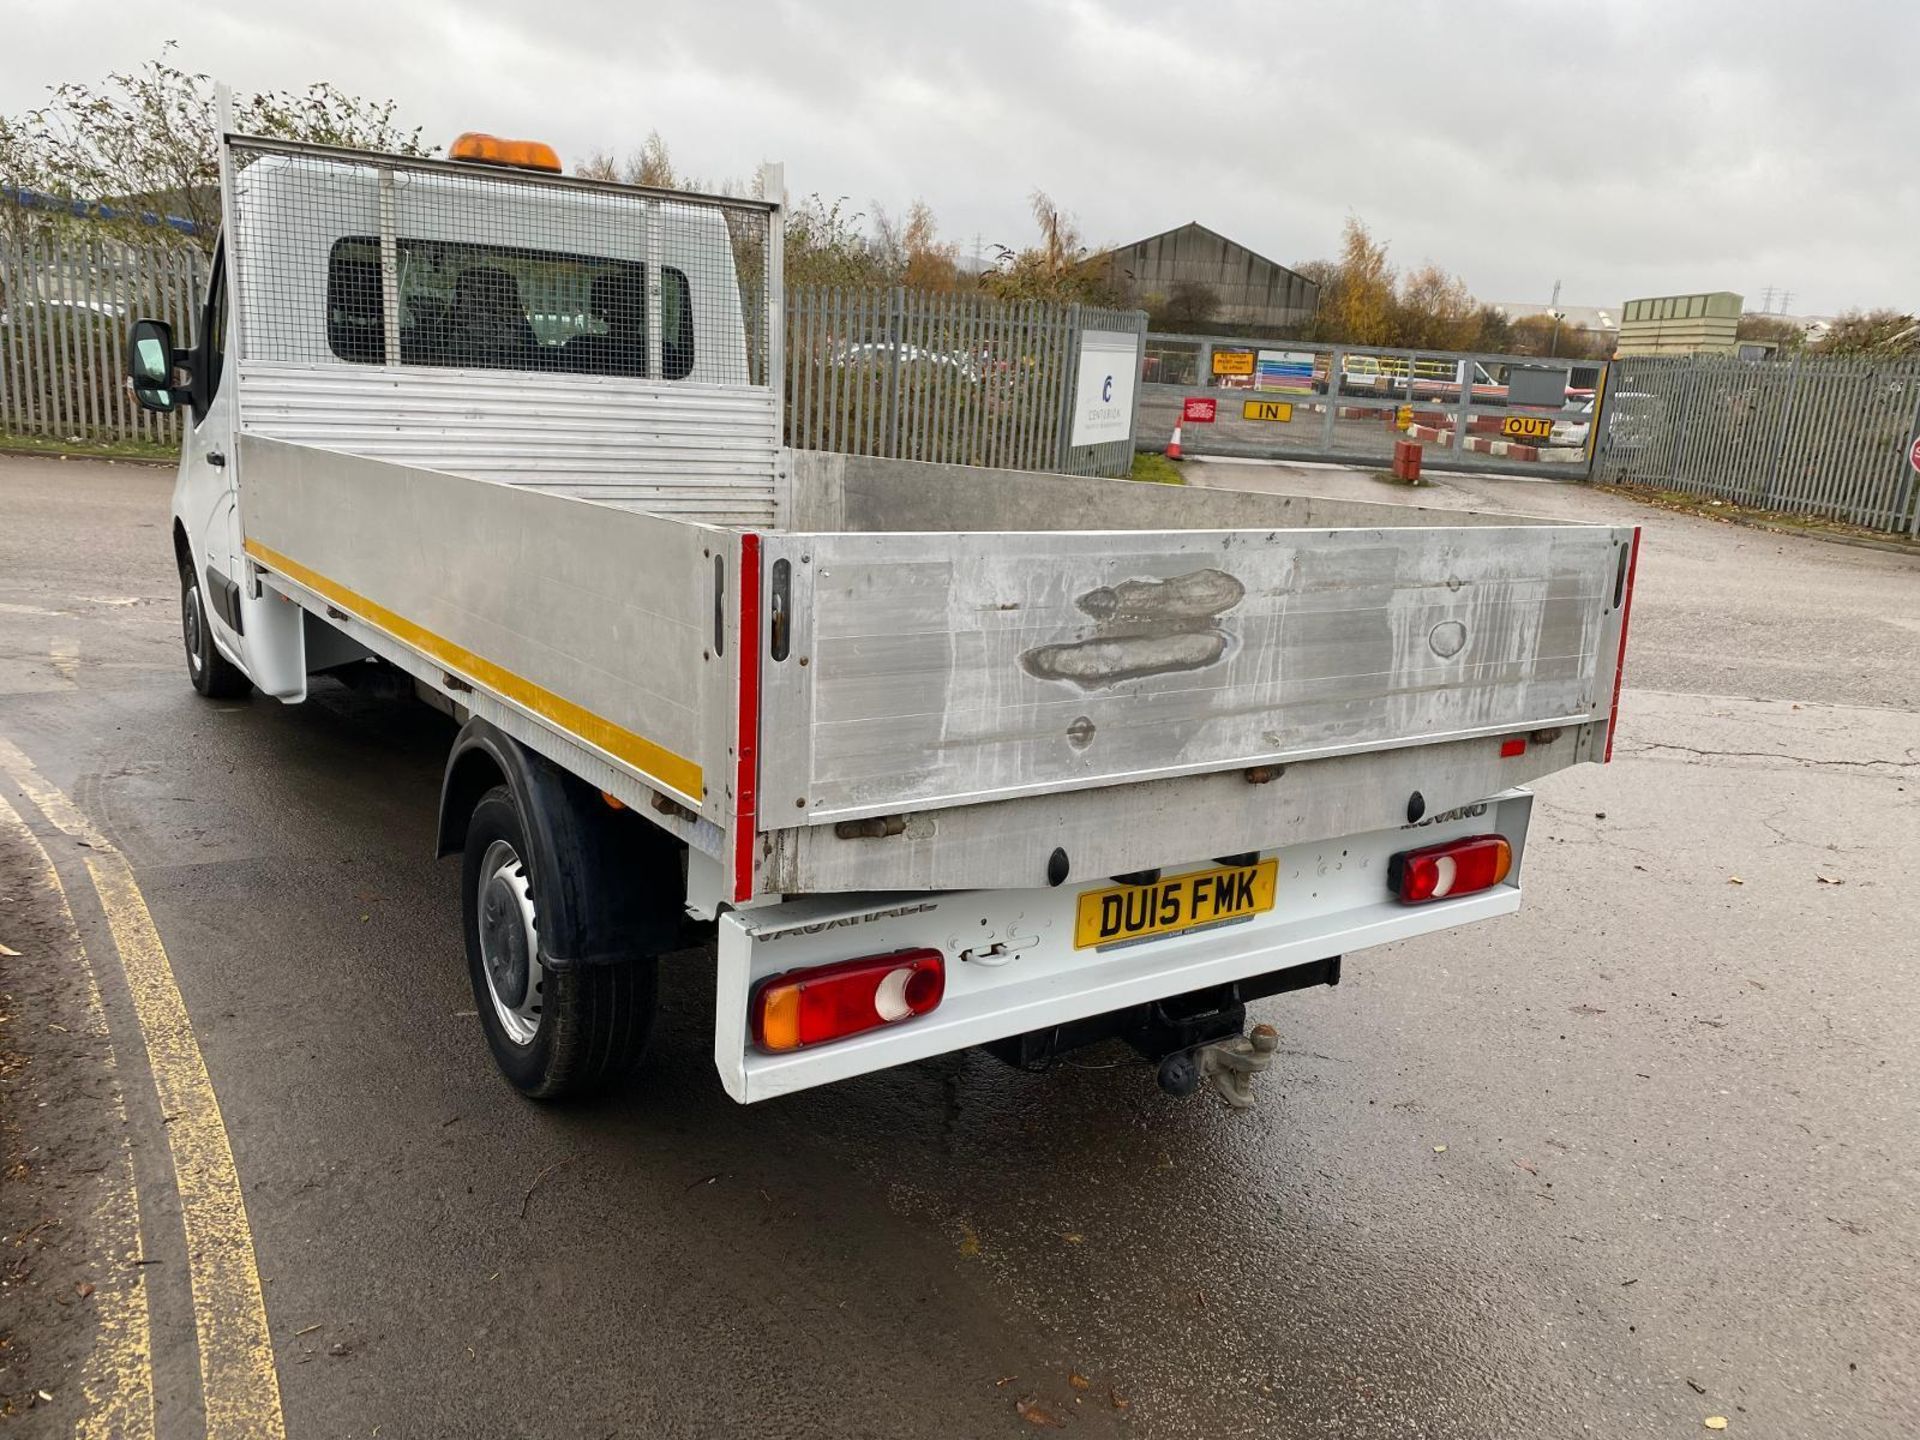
pixel 496 307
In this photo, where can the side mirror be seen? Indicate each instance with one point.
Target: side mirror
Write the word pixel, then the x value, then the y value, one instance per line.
pixel 150 365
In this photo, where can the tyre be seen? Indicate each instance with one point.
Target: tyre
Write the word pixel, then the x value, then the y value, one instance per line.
pixel 552 1032
pixel 213 675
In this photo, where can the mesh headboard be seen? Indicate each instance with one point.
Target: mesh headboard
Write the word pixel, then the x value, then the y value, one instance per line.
pixel 588 339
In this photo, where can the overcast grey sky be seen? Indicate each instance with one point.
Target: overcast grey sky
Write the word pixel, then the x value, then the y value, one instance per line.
pixel 1624 147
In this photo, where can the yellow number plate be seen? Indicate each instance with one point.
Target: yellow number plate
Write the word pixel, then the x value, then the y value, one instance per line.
pixel 1166 907
pixel 1275 411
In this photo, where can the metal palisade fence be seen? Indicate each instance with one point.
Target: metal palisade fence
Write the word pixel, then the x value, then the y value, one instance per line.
pixel 67 295
pixel 1830 438
pixel 953 377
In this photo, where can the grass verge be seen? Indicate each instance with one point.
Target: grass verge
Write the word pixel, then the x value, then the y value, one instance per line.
pixel 1761 519
pixel 14 443
pixel 1150 466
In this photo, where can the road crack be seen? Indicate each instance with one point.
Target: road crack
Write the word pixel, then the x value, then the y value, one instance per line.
pixel 1809 761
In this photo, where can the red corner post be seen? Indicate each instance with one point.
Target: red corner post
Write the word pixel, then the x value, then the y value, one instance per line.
pixel 1620 667
pixel 746 777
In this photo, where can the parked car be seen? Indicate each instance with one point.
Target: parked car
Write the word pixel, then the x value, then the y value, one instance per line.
pixel 35 310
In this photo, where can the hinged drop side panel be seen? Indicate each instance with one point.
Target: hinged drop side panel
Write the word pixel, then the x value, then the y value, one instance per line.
pixel 598 625
pixel 930 670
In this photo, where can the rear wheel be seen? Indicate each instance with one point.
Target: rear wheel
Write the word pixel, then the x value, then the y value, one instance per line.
pixel 553 1032
pixel 213 675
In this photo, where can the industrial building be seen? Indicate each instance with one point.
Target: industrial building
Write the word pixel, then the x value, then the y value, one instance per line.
pixel 1704 324
pixel 1248 293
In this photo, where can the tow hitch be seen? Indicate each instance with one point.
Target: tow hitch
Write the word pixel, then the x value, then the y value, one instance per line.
pixel 1230 1064
pixel 1191 1038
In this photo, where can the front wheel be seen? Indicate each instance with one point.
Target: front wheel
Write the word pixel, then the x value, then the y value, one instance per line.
pixel 213 675
pixel 553 1032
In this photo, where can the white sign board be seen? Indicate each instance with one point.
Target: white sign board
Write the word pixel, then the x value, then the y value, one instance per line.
pixel 1103 395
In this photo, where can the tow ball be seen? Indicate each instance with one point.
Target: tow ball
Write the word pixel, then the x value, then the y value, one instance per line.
pixel 1230 1064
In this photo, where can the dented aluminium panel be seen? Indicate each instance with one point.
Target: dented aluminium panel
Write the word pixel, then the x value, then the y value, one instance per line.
pixel 932 670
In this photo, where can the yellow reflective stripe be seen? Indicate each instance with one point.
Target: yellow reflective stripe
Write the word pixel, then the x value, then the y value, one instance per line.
pixel 655 761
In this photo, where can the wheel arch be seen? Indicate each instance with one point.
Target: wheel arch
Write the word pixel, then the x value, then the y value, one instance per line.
pixel 608 884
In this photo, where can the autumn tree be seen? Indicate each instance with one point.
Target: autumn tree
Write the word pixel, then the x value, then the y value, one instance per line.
pixel 828 241
pixel 143 142
pixel 1491 330
pixel 1056 267
pixel 1543 335
pixel 1362 301
pixel 1532 335
pixel 1433 311
pixel 1775 330
pixel 912 252
pixel 1358 306
pixel 828 245
pixel 650 165
pixel 1188 305
pixel 1872 333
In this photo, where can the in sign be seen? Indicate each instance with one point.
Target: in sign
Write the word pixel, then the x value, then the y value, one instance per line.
pixel 1276 412
pixel 1198 410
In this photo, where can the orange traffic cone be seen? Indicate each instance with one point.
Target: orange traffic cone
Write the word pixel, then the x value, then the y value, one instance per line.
pixel 1173 445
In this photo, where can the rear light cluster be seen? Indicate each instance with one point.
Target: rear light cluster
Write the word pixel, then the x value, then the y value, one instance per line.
pixel 831 1002
pixel 1442 872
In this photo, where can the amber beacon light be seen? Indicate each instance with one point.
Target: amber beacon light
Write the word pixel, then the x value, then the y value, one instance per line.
pixel 492 150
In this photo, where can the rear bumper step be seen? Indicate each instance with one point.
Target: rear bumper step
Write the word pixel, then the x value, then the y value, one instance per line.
pixel 1013 970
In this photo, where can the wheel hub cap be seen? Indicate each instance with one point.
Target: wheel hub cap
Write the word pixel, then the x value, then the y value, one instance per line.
pixel 190 625
pixel 510 943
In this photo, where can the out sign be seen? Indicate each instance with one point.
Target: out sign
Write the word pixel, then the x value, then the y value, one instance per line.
pixel 1527 427
pixel 1198 410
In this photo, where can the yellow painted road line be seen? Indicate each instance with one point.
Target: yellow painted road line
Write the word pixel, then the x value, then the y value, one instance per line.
pixel 239 1386
pixel 656 762
pixel 116 1378
pixel 237 1377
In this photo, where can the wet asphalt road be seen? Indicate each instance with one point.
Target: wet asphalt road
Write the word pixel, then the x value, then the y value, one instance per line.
pixel 1680 1115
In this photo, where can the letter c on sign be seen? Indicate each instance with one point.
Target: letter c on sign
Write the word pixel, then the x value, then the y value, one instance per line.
pixel 1106 391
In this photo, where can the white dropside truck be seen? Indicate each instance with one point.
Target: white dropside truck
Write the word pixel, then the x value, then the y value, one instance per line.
pixel 948 757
